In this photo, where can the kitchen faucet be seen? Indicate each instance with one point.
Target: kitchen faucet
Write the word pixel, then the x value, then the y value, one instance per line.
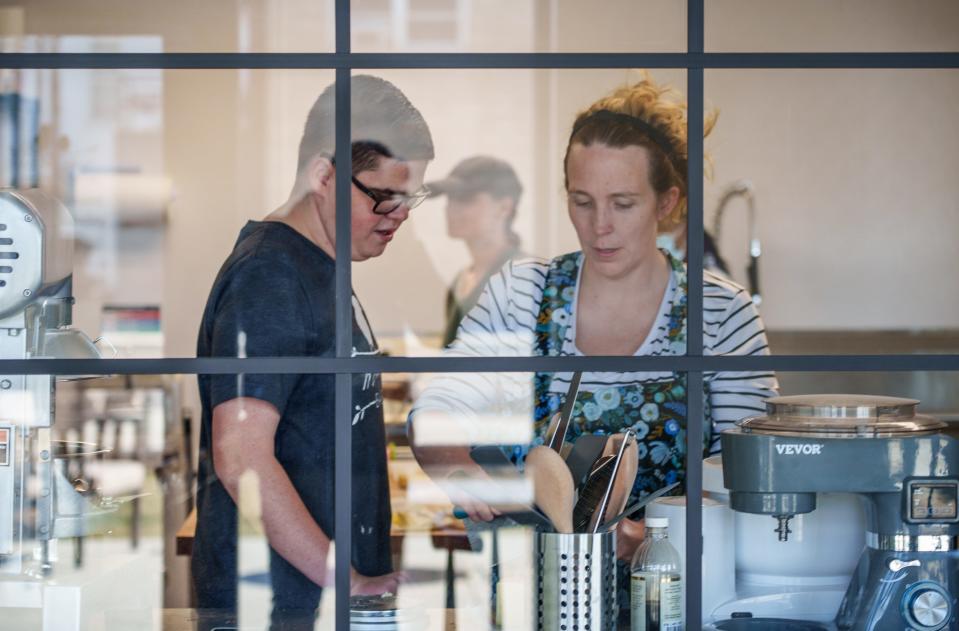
pixel 743 188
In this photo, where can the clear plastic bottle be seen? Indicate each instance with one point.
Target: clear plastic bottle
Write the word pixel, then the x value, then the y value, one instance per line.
pixel 656 581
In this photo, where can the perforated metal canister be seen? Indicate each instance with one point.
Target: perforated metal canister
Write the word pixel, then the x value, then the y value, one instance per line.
pixel 575 581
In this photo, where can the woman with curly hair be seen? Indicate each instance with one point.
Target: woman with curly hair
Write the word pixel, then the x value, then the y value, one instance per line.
pixel 626 180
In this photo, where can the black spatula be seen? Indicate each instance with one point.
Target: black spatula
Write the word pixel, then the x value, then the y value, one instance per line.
pixel 592 492
pixel 556 435
pixel 583 456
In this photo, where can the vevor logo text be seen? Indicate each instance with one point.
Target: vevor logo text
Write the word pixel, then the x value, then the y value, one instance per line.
pixel 796 450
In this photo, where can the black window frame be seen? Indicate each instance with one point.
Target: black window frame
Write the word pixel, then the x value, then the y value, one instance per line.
pixel 695 60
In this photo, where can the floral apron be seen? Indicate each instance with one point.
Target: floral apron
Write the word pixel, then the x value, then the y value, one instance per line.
pixel 655 410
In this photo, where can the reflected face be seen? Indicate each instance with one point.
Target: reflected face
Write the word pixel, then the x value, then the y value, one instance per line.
pixel 613 206
pixel 371 233
pixel 473 217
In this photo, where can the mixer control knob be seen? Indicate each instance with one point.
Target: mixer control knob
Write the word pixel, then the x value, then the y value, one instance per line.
pixel 927 606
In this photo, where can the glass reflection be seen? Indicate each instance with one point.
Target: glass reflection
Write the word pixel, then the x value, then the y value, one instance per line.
pixel 483 194
pixel 150 164
pixel 94 482
pixel 575 437
pixel 122 479
pixel 275 297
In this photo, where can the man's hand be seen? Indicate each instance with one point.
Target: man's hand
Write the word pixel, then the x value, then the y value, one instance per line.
pixel 361 585
pixel 243 445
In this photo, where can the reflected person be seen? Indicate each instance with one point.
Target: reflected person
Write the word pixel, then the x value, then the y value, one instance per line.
pixel 274 297
pixel 483 194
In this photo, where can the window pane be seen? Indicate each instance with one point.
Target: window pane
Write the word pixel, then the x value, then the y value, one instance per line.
pixel 137 26
pixel 854 205
pixel 530 26
pixel 500 197
pixel 99 512
pixel 836 481
pixel 824 26
pixel 149 177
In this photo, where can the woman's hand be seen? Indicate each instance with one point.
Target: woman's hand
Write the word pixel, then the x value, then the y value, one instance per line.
pixel 629 534
pixel 475 509
pixel 457 487
pixel 361 585
pixel 456 473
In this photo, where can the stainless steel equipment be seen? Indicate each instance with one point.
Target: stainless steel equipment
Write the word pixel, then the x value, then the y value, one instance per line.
pixel 904 466
pixel 38 503
pixel 575 581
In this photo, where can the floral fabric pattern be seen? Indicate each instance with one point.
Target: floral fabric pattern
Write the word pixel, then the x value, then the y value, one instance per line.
pixel 655 411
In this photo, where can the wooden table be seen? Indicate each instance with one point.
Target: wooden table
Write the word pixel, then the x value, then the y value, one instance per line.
pixel 443 538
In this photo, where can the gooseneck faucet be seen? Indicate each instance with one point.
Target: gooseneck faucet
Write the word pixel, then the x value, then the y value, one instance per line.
pixel 744 189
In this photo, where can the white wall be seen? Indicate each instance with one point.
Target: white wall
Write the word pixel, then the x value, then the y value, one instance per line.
pixel 831 25
pixel 855 192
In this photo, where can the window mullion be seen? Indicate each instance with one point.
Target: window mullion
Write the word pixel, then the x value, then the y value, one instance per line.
pixel 343 480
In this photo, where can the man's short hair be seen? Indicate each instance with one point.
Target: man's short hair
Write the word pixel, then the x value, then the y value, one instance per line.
pixel 383 120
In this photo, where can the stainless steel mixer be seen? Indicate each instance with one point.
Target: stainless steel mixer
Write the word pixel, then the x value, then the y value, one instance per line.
pixel 904 466
pixel 38 503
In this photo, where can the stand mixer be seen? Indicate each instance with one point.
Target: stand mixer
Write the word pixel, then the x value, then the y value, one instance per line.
pixel 904 466
pixel 39 503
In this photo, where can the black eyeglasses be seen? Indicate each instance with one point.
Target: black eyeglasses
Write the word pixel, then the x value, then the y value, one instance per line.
pixel 386 201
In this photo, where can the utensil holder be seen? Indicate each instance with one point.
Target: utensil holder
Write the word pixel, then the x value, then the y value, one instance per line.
pixel 575 581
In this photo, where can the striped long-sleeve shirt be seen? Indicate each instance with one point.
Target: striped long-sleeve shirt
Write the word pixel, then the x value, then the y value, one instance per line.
pixel 502 324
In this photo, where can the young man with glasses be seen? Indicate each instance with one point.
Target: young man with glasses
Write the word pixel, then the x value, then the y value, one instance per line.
pixel 274 297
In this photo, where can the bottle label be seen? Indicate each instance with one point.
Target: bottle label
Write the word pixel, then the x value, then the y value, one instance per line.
pixel 637 602
pixel 671 603
pixel 656 601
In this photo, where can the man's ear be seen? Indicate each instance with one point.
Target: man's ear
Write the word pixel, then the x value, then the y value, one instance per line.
pixel 322 175
pixel 666 203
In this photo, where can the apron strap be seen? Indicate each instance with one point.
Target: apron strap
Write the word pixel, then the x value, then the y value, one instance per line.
pixel 555 311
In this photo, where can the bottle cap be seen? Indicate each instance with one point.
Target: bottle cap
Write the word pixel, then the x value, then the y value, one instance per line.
pixel 657 522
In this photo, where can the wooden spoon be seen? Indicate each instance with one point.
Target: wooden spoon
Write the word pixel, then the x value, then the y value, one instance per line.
pixel 552 487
